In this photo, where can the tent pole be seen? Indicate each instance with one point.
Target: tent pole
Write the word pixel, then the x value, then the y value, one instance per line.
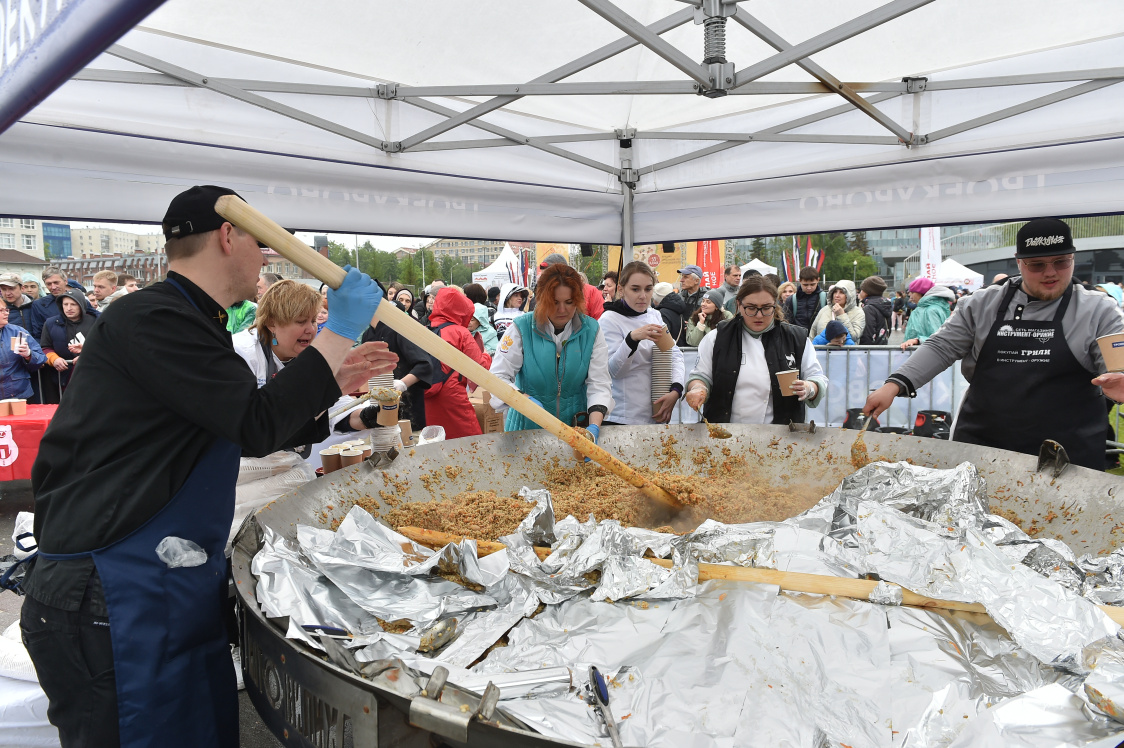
pixel 626 224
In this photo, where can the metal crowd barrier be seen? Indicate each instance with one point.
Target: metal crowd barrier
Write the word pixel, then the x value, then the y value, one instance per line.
pixel 853 372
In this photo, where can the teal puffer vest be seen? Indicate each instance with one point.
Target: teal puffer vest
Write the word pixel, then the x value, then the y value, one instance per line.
pixel 557 381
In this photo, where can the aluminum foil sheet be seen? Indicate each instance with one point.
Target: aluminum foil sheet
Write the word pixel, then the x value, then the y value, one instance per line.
pixel 736 664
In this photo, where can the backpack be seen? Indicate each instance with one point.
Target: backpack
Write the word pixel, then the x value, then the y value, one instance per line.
pixel 823 303
pixel 876 322
pixel 440 376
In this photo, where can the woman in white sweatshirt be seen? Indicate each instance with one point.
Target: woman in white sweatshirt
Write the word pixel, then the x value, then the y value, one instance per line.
pixel 631 327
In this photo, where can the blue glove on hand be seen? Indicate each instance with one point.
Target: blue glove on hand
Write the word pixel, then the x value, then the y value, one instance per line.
pixel 534 400
pixel 351 306
pixel 595 430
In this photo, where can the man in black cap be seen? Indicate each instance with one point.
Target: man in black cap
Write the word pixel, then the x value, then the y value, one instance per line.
pixel 1029 349
pixel 126 630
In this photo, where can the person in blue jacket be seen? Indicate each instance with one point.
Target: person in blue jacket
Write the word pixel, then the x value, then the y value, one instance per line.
pixel 17 361
pixel 834 334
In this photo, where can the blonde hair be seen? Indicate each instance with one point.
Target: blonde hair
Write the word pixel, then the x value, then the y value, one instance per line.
pixel 286 302
pixel 106 275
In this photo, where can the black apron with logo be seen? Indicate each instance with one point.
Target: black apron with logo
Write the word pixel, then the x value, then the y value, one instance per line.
pixel 1029 387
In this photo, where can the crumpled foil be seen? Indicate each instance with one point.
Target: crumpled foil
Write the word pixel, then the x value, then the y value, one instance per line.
pixel 732 664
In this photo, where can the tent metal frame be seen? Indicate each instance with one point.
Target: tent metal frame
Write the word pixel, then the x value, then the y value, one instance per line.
pixel 709 78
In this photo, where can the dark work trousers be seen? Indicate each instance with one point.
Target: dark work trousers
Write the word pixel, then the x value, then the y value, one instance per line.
pixel 73 658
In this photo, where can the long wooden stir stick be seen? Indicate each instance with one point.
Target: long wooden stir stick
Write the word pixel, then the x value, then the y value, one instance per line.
pixel 818 584
pixel 268 232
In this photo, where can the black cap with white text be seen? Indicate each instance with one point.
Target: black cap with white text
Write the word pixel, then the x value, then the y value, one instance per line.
pixel 1044 237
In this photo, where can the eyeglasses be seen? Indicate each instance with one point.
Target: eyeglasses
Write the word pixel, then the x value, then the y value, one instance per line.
pixel 1039 266
pixel 4 310
pixel 764 311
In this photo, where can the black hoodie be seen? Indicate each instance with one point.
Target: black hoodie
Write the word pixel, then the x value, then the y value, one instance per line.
pixel 674 312
pixel 879 312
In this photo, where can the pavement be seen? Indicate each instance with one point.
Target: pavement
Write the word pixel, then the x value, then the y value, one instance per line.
pixel 15 497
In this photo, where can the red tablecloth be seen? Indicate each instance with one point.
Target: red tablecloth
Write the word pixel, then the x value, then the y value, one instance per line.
pixel 19 440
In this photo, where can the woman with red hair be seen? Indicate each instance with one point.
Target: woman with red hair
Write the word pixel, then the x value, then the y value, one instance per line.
pixel 557 355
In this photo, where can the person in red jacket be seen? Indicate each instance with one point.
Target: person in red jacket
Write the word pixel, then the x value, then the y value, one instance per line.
pixel 446 400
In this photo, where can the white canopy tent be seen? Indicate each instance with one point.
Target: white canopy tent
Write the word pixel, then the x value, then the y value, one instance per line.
pixel 499 272
pixel 952 273
pixel 759 266
pixel 581 120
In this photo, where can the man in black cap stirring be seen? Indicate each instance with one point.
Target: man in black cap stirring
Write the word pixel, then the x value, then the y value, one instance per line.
pixel 1028 346
pixel 124 610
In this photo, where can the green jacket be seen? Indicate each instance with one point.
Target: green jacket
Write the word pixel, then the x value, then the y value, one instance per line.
pixel 555 380
pixel 927 318
pixel 240 316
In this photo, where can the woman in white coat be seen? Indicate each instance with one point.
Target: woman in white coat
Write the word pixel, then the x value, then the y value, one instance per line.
pixel 631 327
pixel 842 305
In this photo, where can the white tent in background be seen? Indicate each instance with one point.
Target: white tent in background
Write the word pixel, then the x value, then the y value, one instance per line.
pixel 759 266
pixel 952 273
pixel 379 117
pixel 499 272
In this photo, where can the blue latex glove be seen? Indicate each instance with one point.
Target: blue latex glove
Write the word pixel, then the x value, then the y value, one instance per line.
pixel 594 429
pixel 352 305
pixel 534 400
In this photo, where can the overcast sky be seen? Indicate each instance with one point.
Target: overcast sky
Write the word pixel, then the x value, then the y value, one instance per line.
pixel 385 243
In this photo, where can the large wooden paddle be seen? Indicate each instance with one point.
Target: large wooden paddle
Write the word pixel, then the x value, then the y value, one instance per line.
pixel 817 584
pixel 268 232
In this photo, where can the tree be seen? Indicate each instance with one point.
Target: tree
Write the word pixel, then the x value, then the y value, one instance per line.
pixel 858 242
pixel 841 265
pixel 757 246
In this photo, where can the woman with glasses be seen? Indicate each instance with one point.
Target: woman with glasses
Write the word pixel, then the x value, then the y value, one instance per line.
pixel 933 310
pixel 631 328
pixel 20 355
pixel 735 378
pixel 1028 347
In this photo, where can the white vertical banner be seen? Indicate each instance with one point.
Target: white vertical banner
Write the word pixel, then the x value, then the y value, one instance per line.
pixel 930 253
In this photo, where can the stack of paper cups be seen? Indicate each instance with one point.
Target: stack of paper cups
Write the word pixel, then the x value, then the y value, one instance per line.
pixel 382 380
pixel 385 439
pixel 661 373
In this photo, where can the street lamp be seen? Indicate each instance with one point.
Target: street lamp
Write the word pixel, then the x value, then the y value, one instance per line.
pixel 854 270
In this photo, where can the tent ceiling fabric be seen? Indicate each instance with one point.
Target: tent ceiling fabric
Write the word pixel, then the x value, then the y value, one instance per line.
pixel 303 112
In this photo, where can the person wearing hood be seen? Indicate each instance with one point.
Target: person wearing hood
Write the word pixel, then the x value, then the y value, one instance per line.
pixel 557 355
pixel 512 303
pixel 707 317
pixel 735 377
pixel 673 309
pixel 879 311
pixel 1028 348
pixel 45 307
pixel 18 303
pixel 62 338
pixel 446 400
pixel 631 328
pixel 31 286
pixel 481 325
pixel 842 305
pixel 933 310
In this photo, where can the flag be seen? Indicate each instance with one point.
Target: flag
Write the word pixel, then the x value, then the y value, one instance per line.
pixel 787 269
pixel 795 258
pixel 709 257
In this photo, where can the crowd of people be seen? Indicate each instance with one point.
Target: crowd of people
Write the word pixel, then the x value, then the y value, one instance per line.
pixel 203 394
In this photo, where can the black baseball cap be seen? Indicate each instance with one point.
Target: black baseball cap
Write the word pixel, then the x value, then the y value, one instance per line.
pixel 193 212
pixel 1043 237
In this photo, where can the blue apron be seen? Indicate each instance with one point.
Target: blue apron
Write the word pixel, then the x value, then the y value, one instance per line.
pixel 175 678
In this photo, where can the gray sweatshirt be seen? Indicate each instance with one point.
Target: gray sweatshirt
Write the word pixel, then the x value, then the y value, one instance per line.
pixel 1090 315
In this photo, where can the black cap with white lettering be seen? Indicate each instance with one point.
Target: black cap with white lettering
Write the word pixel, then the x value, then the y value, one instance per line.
pixel 1043 237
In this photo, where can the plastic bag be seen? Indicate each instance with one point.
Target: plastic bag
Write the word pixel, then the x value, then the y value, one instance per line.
pixel 24 522
pixel 431 434
pixel 177 552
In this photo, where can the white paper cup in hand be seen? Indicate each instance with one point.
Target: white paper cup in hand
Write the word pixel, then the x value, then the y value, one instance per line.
pixel 785 380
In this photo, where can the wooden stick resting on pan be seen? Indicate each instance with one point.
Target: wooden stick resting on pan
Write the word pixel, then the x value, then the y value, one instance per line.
pixel 858 589
pixel 265 230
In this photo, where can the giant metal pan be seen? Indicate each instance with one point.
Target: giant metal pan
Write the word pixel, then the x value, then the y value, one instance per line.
pixel 307 701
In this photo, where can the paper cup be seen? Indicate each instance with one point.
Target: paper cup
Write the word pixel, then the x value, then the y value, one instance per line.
pixel 404 428
pixel 388 414
pixel 15 342
pixel 330 459
pixel 1112 350
pixel 18 407
pixel 785 380
pixel 351 456
pixel 5 408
